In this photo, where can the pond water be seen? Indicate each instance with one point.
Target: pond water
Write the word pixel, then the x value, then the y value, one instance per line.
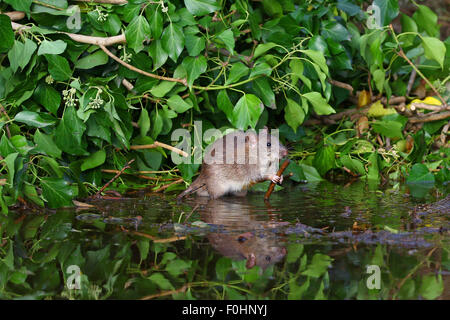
pixel 311 241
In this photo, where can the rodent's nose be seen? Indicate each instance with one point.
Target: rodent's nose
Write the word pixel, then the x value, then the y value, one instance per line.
pixel 283 152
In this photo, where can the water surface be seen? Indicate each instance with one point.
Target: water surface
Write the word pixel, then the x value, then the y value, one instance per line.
pixel 312 241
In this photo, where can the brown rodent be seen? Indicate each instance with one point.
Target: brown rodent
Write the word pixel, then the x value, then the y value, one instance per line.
pixel 236 161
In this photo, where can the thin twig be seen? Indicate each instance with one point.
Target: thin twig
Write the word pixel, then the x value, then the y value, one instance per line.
pixel 157 240
pixel 126 166
pixel 431 117
pixel 166 293
pixel 431 107
pixel 443 136
pixel 164 187
pixel 412 78
pixel 145 73
pixel 402 282
pixel 341 85
pixel 272 184
pixel 157 144
pixel 139 175
pixel 190 214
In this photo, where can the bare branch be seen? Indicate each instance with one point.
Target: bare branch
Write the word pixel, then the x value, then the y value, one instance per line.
pixel 157 144
pixel 431 117
pixel 145 73
pixel 99 41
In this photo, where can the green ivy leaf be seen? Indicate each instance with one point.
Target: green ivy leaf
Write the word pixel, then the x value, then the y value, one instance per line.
pixel 162 88
pixel 426 20
pixel 434 49
pixel 177 267
pixel 378 78
pixel 260 69
pixel 173 41
pixel 58 67
pixel 431 286
pixel 52 47
pixel 93 60
pixel 94 160
pixel 34 119
pixel 194 44
pixel 388 10
pixel 161 281
pixel 223 266
pixel 373 172
pixel 311 173
pixel 6 33
pixel 224 104
pixel 158 54
pixel 354 165
pixel 22 5
pixel 318 266
pixel 324 159
pixel 158 122
pixel 57 192
pixel 226 38
pixel 69 133
pixel 264 91
pixel 320 105
pixel 10 164
pixel 46 144
pixel 136 32
pixel 272 8
pixel 30 192
pixel 155 18
pixel 21 144
pixel 318 58
pixel 177 104
pixel 237 71
pixel 21 53
pixel 297 72
pixel 144 122
pixel 293 114
pixel 419 173
pixel 247 111
pixel 334 30
pixel 194 68
pixel 391 129
pixel 48 97
pixel 294 251
pixel 201 7
pixel 263 48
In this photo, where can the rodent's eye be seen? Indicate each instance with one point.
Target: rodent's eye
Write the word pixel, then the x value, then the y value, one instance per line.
pixel 269 144
pixel 242 239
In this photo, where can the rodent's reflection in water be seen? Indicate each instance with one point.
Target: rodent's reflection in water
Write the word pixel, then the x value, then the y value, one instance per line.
pixel 244 233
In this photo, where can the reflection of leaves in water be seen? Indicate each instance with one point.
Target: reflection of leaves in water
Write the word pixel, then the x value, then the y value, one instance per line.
pixel 116 264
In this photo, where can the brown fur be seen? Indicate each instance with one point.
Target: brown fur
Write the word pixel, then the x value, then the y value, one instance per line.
pixel 220 178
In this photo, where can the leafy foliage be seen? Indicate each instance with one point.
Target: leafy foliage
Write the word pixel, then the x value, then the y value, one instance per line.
pixel 68 115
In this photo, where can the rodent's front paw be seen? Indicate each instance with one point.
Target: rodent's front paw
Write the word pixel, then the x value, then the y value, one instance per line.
pixel 277 179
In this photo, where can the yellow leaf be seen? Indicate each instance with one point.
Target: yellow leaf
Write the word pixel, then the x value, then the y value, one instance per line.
pixel 428 100
pixel 377 110
pixel 363 98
